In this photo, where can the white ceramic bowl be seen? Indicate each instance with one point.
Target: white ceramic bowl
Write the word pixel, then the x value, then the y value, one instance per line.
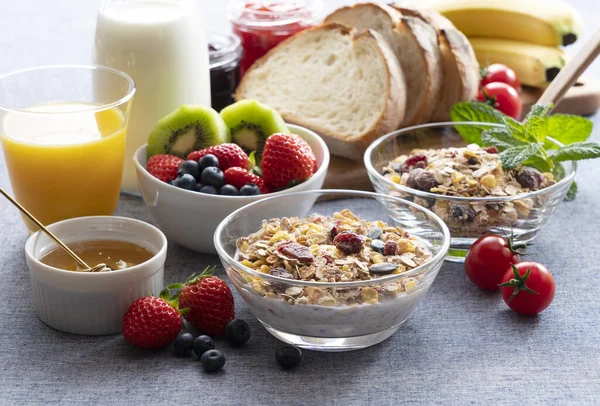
pixel 93 303
pixel 191 218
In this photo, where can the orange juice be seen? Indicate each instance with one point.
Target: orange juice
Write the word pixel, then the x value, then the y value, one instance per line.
pixel 64 159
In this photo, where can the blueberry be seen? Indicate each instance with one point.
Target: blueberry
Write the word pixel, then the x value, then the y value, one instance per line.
pixel 237 332
pixel 213 176
pixel 208 160
pixel 250 190
pixel 288 356
pixel 207 189
pixel 185 181
pixel 378 245
pixel 189 167
pixel 229 190
pixel 212 360
pixel 183 344
pixel 530 178
pixel 202 344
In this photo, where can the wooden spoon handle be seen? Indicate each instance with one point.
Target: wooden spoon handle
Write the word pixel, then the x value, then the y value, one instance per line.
pixel 571 72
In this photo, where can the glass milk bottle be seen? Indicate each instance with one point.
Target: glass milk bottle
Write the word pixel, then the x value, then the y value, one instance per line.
pixel 162 46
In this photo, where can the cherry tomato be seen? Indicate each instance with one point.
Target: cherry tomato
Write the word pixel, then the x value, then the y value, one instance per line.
pixel 488 259
pixel 503 98
pixel 528 288
pixel 501 73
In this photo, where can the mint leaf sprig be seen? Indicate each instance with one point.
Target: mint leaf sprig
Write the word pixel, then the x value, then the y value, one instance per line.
pixel 527 142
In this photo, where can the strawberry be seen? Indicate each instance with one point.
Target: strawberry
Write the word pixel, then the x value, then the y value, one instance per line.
pixel 152 322
pixel 210 303
pixel 287 159
pixel 163 167
pixel 239 177
pixel 228 155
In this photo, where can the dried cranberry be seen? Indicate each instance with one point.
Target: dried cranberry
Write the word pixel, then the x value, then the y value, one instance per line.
pixel 328 259
pixel 335 230
pixel 413 160
pixel 294 250
pixel 491 150
pixel 421 179
pixel 349 243
pixel 282 273
pixel 530 178
pixel 463 213
pixel 391 248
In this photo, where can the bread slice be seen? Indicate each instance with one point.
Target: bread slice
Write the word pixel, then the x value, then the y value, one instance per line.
pixel 461 70
pixel 346 86
pixel 416 46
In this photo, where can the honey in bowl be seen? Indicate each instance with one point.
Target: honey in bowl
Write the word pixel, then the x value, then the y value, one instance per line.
pixel 114 253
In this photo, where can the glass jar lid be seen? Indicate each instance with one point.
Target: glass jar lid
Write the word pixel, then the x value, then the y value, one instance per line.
pixel 223 49
pixel 264 14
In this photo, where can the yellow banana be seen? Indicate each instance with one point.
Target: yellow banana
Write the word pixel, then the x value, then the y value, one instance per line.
pixel 543 22
pixel 535 65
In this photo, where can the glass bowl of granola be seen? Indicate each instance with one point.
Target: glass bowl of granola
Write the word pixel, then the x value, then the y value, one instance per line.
pixel 466 185
pixel 332 270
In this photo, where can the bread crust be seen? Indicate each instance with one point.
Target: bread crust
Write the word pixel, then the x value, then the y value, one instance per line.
pixel 455 49
pixel 390 117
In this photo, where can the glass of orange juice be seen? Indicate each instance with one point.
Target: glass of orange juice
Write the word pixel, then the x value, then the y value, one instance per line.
pixel 63 134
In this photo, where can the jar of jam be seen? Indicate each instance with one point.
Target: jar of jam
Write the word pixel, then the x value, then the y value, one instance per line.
pixel 262 24
pixel 225 52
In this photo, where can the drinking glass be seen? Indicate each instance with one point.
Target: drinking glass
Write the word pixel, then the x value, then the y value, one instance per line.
pixel 63 135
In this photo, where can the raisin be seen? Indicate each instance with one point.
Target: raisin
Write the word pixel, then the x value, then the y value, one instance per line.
pixel 421 179
pixel 349 243
pixel 463 213
pixel 491 150
pixel 282 273
pixel 294 250
pixel 473 161
pixel 530 178
pixel 391 248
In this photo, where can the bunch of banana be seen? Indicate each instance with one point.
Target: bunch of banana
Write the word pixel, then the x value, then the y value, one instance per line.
pixel 523 34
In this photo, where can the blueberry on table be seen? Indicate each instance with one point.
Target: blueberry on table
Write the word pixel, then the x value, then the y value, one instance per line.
pixel 183 344
pixel 186 181
pixel 207 161
pixel 202 344
pixel 237 332
pixel 228 190
pixel 208 189
pixel 249 190
pixel 288 356
pixel 213 176
pixel 190 168
pixel 212 360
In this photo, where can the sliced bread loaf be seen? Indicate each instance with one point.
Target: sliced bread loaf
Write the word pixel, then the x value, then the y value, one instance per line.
pixel 416 46
pixel 346 86
pixel 460 67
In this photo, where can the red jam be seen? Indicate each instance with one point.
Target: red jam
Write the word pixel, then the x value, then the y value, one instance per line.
pixel 263 24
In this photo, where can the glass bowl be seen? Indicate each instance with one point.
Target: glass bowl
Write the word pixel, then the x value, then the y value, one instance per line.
pixel 521 215
pixel 333 326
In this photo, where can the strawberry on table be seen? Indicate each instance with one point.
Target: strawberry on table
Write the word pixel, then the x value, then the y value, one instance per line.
pixel 228 155
pixel 239 177
pixel 287 159
pixel 164 167
pixel 152 322
pixel 210 303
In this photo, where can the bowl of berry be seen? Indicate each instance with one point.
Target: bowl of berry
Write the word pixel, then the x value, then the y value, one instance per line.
pixel 200 165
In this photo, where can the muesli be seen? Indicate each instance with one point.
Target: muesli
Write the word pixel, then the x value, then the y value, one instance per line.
pixel 470 171
pixel 341 248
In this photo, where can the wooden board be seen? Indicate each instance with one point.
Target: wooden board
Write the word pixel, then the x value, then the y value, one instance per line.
pixel 582 99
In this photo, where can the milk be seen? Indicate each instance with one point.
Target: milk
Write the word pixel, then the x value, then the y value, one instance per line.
pixel 161 45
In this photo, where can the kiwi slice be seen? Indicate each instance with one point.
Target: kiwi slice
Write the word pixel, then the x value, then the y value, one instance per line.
pixel 187 129
pixel 251 123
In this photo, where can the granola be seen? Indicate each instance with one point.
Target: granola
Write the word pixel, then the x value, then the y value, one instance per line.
pixel 342 248
pixel 470 171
